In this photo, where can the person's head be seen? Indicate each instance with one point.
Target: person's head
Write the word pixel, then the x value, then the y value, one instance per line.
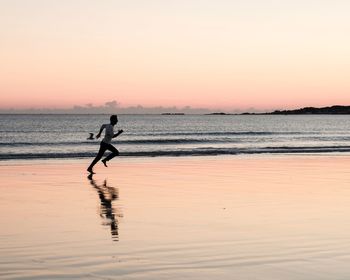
pixel 114 119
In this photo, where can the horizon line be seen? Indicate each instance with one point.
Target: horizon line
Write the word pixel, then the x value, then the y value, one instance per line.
pixel 201 111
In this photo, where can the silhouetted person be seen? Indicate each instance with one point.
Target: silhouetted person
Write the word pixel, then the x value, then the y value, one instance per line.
pixel 107 194
pixel 106 143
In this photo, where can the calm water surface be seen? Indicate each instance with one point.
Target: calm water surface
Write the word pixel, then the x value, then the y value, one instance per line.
pixel 251 217
pixel 65 136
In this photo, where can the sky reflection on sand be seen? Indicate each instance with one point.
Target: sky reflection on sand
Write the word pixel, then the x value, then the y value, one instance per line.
pixel 265 217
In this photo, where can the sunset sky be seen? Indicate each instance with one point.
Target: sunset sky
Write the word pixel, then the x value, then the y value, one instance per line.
pixel 225 54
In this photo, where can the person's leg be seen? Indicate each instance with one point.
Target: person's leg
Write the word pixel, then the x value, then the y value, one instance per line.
pixel 114 153
pixel 98 156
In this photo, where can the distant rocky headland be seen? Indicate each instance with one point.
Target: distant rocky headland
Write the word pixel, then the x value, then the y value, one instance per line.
pixel 332 110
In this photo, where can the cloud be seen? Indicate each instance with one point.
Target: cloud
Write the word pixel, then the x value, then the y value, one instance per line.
pixel 112 104
pixel 110 107
pixel 114 107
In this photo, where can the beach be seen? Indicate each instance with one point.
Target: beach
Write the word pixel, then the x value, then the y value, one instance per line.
pixel 175 140
pixel 214 217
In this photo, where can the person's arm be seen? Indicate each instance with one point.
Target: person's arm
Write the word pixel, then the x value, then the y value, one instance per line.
pixel 118 133
pixel 99 133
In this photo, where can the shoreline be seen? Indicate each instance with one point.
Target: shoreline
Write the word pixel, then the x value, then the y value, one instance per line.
pixel 146 158
pixel 197 160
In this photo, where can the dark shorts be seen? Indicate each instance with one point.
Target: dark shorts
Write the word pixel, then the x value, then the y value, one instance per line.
pixel 105 146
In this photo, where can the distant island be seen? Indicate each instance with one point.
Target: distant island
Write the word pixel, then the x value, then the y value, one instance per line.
pixel 333 110
pixel 219 114
pixel 172 114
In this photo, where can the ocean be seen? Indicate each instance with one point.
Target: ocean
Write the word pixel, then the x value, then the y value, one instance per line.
pixel 65 136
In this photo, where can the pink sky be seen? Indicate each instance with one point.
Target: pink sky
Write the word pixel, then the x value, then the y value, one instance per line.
pixel 228 55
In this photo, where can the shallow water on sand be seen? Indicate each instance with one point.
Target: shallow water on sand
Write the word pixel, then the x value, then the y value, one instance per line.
pixel 177 218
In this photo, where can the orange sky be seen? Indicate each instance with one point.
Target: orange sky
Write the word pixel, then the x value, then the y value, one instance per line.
pixel 214 54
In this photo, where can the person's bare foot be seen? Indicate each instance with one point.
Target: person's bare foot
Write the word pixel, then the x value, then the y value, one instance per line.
pixel 104 162
pixel 90 170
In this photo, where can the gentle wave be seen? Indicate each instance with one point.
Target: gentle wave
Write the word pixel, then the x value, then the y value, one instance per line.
pixel 126 142
pixel 190 152
pixel 165 141
pixel 187 133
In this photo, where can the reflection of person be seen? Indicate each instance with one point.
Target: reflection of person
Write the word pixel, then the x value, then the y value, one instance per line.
pixel 107 195
pixel 106 143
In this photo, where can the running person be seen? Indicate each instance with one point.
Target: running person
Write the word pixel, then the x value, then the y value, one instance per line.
pixel 106 143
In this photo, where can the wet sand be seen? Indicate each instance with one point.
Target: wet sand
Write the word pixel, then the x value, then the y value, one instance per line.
pixel 261 217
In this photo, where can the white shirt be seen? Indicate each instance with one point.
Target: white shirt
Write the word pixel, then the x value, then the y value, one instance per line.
pixel 109 132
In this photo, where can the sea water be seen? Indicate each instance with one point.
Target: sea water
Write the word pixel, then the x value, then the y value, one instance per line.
pixel 65 136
